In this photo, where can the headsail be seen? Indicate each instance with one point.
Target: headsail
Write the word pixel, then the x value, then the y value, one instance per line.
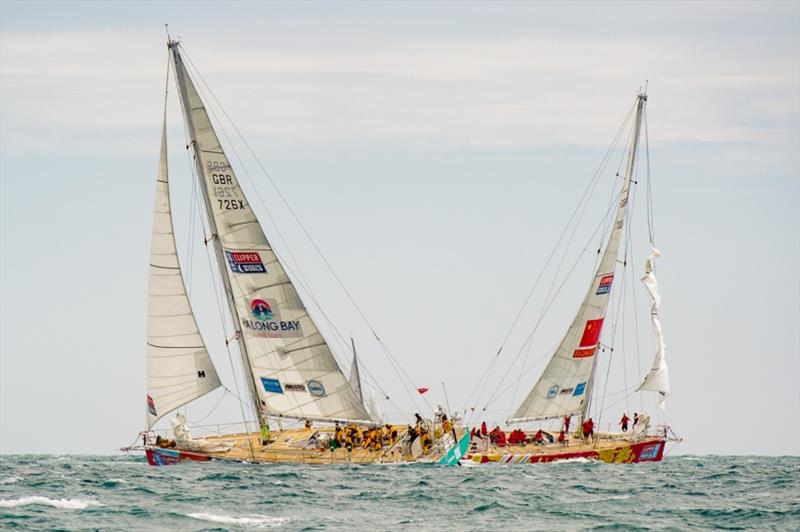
pixel 179 368
pixel 565 385
pixel 290 368
pixel 658 378
pixel 355 374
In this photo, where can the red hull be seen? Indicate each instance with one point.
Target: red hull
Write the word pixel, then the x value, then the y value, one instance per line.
pixel 161 457
pixel 645 451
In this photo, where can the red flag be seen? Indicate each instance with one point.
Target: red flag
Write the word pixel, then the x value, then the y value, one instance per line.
pixel 422 390
pixel 591 334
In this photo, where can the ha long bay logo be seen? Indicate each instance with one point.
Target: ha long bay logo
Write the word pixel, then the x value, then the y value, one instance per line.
pixel 266 321
pixel 261 310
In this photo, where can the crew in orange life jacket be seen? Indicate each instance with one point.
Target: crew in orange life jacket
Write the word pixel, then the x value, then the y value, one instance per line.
pixel 624 422
pixel 588 428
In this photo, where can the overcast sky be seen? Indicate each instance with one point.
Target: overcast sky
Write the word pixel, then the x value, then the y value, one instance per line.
pixel 435 152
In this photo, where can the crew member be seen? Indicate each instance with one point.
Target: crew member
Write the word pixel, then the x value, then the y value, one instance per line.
pixel 624 422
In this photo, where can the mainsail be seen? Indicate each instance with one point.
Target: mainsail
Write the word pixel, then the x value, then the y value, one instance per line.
pixel 658 378
pixel 179 368
pixel 564 387
pixel 289 367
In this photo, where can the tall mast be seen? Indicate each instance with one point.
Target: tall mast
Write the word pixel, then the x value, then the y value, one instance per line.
pixel 564 387
pixel 180 71
pixel 619 219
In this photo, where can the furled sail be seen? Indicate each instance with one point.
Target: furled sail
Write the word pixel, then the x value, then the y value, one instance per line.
pixel 290 368
pixel 658 378
pixel 565 385
pixel 179 368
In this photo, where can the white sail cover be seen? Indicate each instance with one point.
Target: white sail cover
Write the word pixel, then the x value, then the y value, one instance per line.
pixel 658 378
pixel 179 368
pixel 565 383
pixel 293 370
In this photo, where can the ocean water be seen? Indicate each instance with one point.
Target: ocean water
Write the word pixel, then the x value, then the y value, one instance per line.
pixel 124 493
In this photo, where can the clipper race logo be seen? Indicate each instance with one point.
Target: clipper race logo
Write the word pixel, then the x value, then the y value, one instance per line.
pixel 261 310
pixel 605 284
pixel 267 321
pixel 245 262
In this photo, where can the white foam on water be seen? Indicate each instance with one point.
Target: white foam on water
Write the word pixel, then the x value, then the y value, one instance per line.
pixel 254 520
pixel 577 460
pixel 66 504
pixel 10 480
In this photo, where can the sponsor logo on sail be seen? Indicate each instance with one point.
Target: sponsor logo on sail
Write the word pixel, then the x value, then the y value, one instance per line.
pixel 294 387
pixel 552 392
pixel 579 389
pixel 261 310
pixel 267 322
pixel 151 406
pixel 605 284
pixel 566 391
pixel 316 388
pixel 583 353
pixel 245 262
pixel 271 385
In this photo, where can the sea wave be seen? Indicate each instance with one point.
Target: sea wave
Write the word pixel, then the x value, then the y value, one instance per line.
pixel 253 520
pixel 66 504
pixel 10 480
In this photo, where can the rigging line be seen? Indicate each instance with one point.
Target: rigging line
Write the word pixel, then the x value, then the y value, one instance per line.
pixel 212 409
pixel 217 294
pixel 296 218
pixel 588 193
pixel 633 298
pixel 295 269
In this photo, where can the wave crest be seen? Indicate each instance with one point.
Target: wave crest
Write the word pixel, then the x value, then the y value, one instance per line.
pixel 254 520
pixel 67 504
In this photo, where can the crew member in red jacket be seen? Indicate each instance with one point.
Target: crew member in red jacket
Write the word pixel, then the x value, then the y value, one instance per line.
pixel 588 428
pixel 624 422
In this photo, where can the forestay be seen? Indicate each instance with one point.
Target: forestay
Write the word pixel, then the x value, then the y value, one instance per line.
pixel 179 368
pixel 291 368
pixel 658 378
pixel 565 385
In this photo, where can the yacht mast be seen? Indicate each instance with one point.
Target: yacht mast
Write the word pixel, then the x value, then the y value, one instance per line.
pixel 619 220
pixel 180 72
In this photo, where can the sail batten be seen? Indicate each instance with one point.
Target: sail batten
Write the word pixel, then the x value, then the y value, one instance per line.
pixel 179 368
pixel 290 369
pixel 564 387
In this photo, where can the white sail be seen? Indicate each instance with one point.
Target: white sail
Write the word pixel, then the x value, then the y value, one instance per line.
pixel 374 408
pixel 658 378
pixel 355 377
pixel 291 369
pixel 179 368
pixel 565 384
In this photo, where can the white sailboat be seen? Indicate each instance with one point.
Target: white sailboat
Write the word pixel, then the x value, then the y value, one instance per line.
pixel 564 388
pixel 289 368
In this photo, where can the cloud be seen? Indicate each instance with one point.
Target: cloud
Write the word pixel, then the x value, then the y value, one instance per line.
pixel 101 90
